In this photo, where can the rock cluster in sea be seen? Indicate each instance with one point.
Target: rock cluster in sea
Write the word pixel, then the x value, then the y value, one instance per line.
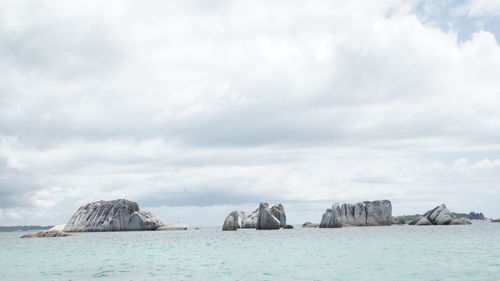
pixel 115 215
pixel 440 215
pixel 367 213
pixel 47 233
pixel 267 216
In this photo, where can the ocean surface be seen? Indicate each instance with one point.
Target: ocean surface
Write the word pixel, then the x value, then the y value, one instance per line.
pixel 462 252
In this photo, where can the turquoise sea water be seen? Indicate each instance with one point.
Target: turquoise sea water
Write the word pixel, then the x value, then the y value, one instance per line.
pixel 463 252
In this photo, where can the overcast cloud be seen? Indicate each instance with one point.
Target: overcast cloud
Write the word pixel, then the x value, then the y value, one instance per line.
pixel 196 108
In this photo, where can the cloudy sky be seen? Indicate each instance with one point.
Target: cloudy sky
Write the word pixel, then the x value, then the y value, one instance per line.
pixel 196 108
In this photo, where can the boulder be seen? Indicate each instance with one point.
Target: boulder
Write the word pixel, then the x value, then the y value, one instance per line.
pixel 331 218
pixel 266 220
pixel 310 224
pixel 495 220
pixel 353 214
pixel 47 233
pixel 142 220
pixel 421 221
pixel 368 213
pixel 173 226
pixel 232 221
pixel 115 215
pixel 378 212
pixel 461 221
pixel 249 220
pixel 440 215
pixel 288 226
pixel 398 220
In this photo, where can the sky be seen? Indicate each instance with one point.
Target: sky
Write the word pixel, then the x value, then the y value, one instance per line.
pixel 196 108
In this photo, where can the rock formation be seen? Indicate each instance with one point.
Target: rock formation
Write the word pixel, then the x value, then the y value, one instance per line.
pixel 440 215
pixel 47 233
pixel 266 220
pixel 368 213
pixel 237 219
pixel 115 215
pixel 232 221
pixel 249 220
pixel 310 224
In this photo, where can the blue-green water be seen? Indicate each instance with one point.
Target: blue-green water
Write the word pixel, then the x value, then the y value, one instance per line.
pixel 463 252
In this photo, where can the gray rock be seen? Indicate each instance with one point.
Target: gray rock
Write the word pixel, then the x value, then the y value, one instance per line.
pixel 398 220
pixel 115 215
pixel 440 215
pixel 249 220
pixel 142 220
pixel 288 226
pixel 47 233
pixel 461 221
pixel 331 218
pixel 278 211
pixel 265 219
pixel 232 221
pixel 378 212
pixel 353 214
pixel 422 221
pixel 368 213
pixel 310 224
pixel 495 220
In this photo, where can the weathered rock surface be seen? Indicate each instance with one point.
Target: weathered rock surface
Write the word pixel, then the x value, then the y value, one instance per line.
pixel 266 220
pixel 238 219
pixel 440 215
pixel 368 213
pixel 115 215
pixel 173 226
pixel 310 224
pixel 378 212
pixel 249 220
pixel 398 220
pixel 421 221
pixel 461 221
pixel 47 233
pixel 332 217
pixel 232 221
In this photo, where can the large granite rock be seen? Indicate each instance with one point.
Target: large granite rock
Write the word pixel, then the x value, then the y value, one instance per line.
pixel 115 215
pixel 232 221
pixel 47 233
pixel 378 212
pixel 266 220
pixel 238 219
pixel 440 215
pixel 332 218
pixel 368 213
pixel 249 220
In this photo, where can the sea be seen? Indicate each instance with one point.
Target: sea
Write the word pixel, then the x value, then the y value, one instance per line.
pixel 398 252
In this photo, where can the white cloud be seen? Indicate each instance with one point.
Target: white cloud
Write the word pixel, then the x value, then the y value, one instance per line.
pixel 186 105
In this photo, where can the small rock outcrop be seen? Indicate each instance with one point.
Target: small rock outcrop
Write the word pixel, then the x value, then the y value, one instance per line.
pixel 495 220
pixel 47 233
pixel 237 219
pixel 115 215
pixel 368 213
pixel 266 220
pixel 398 220
pixel 288 226
pixel 173 226
pixel 310 224
pixel 440 215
